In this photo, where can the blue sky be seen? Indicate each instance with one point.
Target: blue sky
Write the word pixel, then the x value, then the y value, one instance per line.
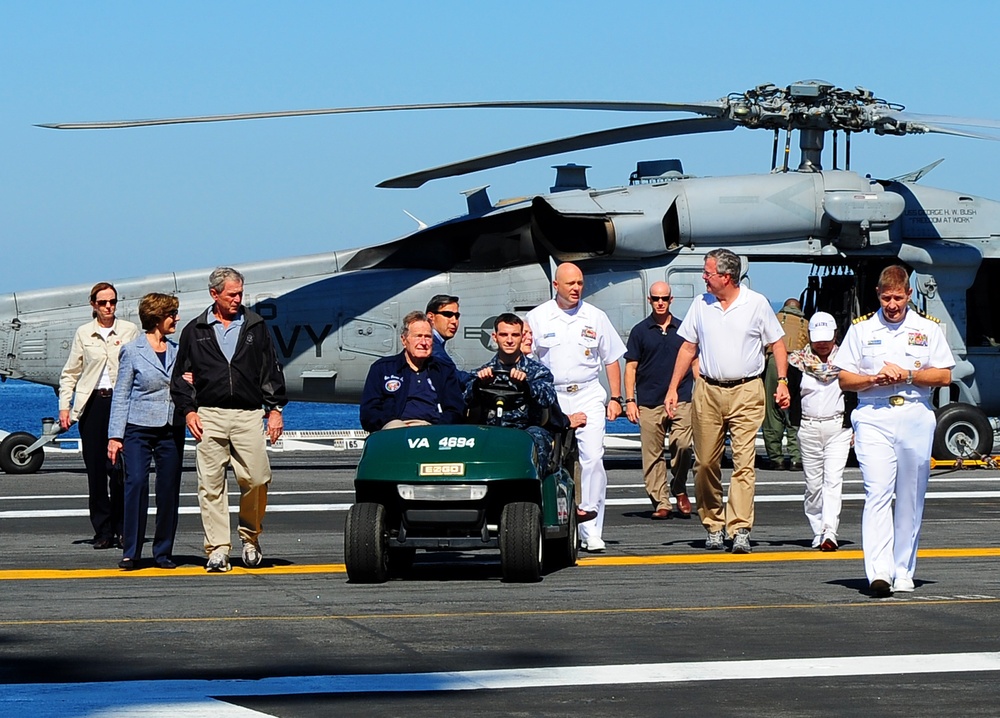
pixel 81 206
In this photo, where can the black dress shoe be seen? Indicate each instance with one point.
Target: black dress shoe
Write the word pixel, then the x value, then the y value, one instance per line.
pixel 881 588
pixel 165 563
pixel 128 564
pixel 104 543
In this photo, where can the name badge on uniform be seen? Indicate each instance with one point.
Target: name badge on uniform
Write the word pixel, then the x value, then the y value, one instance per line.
pixel 917 339
pixel 588 333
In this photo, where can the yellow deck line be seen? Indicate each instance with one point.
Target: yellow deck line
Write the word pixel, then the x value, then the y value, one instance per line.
pixel 584 562
pixel 515 613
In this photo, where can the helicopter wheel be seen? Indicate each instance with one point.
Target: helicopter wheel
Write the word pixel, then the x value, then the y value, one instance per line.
pixel 13 459
pixel 963 432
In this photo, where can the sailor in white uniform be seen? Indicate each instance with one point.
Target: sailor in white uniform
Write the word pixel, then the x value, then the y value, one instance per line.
pixel 576 341
pixel 893 359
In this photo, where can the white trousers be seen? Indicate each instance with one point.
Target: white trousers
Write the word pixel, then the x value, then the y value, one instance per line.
pixel 893 445
pixel 590 442
pixel 824 445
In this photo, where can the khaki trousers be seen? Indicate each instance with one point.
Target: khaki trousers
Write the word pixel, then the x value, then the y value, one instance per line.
pixel 740 410
pixel 234 437
pixel 654 424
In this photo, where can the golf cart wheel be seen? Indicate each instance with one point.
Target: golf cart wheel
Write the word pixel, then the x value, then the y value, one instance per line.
pixel 962 432
pixel 562 552
pixel 521 542
pixel 366 544
pixel 13 460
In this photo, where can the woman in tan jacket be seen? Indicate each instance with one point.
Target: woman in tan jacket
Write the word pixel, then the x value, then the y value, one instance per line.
pixel 85 389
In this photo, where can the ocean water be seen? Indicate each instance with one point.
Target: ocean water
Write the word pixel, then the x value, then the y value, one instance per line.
pixel 23 405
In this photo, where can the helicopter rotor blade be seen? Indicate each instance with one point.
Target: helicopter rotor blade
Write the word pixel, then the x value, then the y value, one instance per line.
pixel 711 109
pixel 947 120
pixel 602 138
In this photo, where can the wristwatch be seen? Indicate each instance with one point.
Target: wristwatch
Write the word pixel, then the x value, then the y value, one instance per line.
pixel 909 377
pixel 619 399
pixel 278 408
pixel 630 401
pixel 782 379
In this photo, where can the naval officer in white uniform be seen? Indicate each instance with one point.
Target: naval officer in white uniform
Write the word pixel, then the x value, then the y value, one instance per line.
pixel 893 358
pixel 576 340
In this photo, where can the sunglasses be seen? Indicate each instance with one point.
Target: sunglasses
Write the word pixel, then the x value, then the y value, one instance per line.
pixel 655 298
pixel 172 314
pixel 450 315
pixel 106 302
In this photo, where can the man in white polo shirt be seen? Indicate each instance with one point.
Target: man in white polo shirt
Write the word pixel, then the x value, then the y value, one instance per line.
pixel 727 328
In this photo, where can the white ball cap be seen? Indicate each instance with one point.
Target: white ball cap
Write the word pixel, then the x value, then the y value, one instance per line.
pixel 822 327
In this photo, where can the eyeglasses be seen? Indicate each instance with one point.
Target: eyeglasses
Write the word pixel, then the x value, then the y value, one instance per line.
pixel 172 314
pixel 105 302
pixel 450 315
pixel 655 298
pixel 709 275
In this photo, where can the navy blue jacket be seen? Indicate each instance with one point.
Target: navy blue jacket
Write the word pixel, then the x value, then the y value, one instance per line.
pixel 388 386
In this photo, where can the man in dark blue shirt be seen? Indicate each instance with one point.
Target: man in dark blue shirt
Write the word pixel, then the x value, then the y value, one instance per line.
pixel 411 388
pixel 649 365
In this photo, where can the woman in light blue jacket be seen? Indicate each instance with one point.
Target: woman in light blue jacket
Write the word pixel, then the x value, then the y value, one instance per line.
pixel 144 428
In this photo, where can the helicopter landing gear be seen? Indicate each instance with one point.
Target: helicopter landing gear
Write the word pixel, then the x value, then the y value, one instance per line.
pixel 15 457
pixel 963 432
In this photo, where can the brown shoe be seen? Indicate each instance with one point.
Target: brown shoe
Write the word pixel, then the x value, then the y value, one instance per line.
pixel 661 514
pixel 683 505
pixel 583 517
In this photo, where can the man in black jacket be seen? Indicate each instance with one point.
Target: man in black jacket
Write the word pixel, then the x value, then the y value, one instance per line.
pixel 411 388
pixel 225 377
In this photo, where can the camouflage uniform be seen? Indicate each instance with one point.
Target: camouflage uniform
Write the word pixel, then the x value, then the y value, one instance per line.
pixel 776 423
pixel 529 415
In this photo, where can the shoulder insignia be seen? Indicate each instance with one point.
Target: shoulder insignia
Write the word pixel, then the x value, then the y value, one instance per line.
pixel 862 318
pixel 925 315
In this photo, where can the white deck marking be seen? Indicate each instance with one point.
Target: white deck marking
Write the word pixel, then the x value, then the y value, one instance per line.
pixel 305 508
pixel 195 698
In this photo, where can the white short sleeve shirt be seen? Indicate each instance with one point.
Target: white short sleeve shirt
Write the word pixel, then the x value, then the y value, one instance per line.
pixel 574 345
pixel 915 343
pixel 731 341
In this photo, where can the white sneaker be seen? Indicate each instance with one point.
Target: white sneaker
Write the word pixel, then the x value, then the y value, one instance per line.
pixel 252 555
pixel 902 585
pixel 716 540
pixel 741 541
pixel 817 540
pixel 593 545
pixel 829 542
pixel 218 561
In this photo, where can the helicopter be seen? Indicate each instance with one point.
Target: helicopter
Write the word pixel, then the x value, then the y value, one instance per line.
pixel 332 314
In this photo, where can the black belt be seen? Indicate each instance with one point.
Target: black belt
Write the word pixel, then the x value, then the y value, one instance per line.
pixel 729 383
pixel 105 393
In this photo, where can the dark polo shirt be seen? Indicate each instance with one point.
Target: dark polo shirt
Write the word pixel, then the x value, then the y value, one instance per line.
pixel 656 352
